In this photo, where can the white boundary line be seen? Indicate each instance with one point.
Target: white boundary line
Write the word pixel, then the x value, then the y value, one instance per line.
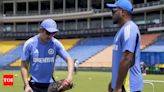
pixel 151 82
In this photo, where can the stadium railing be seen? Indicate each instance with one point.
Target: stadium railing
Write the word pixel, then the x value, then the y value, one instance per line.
pixel 110 31
pixel 148 4
pixel 72 10
pixel 43 12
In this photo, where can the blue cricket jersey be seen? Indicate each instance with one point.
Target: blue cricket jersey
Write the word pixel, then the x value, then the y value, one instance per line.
pixel 125 40
pixel 41 57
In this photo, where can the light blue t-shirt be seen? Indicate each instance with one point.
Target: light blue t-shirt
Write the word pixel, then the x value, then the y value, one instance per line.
pixel 125 40
pixel 41 57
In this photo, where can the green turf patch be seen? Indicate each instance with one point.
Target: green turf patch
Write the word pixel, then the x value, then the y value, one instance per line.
pixel 83 81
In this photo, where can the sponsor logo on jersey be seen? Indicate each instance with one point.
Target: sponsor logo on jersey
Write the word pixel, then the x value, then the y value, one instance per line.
pixel 44 60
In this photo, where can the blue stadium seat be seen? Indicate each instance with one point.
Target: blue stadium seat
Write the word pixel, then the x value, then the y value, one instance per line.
pixel 154 54
pixel 11 56
pixel 1 55
pixel 86 49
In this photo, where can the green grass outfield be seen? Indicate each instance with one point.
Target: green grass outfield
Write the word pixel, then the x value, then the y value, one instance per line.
pixel 83 81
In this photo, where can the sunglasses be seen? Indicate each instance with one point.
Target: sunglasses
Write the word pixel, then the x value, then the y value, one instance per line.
pixel 50 33
pixel 114 10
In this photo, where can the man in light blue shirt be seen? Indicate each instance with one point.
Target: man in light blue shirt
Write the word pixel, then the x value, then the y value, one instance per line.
pixel 126 72
pixel 39 53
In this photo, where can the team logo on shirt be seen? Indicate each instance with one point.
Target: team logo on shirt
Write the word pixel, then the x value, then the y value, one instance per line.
pixel 50 51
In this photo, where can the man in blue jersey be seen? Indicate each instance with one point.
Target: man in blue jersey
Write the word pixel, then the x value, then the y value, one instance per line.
pixel 39 53
pixel 126 73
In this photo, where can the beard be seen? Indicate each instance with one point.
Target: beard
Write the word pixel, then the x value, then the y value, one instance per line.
pixel 115 21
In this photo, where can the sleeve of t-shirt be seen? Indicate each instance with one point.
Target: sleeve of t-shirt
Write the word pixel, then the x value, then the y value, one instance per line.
pixel 61 51
pixel 26 52
pixel 129 39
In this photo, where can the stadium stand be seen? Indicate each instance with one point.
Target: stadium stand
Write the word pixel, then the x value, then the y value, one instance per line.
pixel 11 56
pixel 17 63
pixel 1 55
pixel 6 46
pixel 157 46
pixel 102 59
pixel 87 48
pixel 95 57
pixel 153 54
pixel 147 39
pixel 69 43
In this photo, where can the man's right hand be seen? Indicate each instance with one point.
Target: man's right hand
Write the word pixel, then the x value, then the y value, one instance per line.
pixel 109 87
pixel 28 89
